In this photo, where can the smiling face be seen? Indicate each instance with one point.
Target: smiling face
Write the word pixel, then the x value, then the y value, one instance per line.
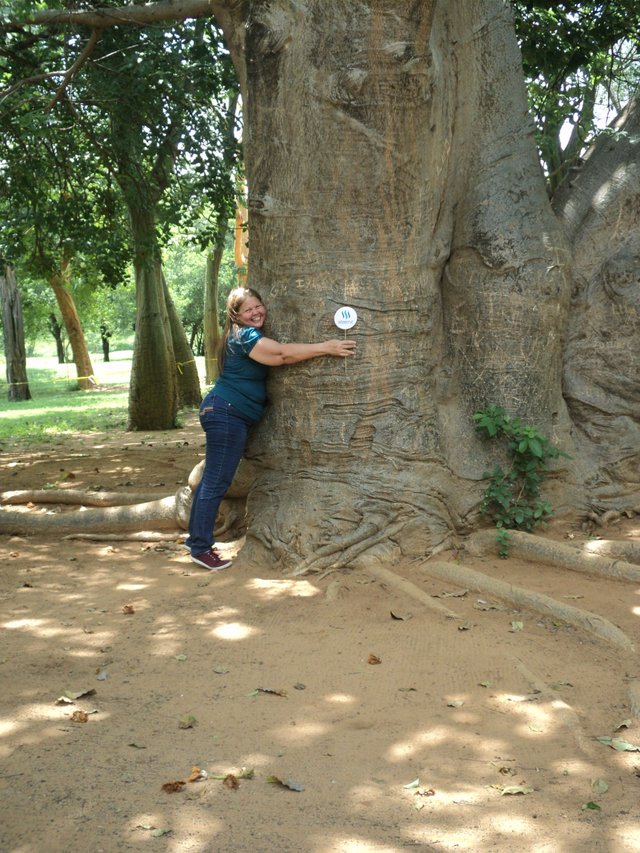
pixel 252 313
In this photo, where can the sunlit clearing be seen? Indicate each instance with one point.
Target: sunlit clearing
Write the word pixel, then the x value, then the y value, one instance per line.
pixel 233 631
pixel 147 821
pixel 37 627
pixel 302 731
pixel 254 759
pixel 573 767
pixel 402 750
pixel 356 845
pixel 629 837
pixel 19 624
pixel 340 698
pixel 471 840
pixel 535 714
pixel 270 588
pixel 132 587
pixel 635 611
pixel 512 824
pixel 8 727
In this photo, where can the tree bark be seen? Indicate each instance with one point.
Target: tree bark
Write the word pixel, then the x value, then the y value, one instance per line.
pixel 14 349
pixel 56 330
pixel 600 210
pixel 153 388
pixel 73 326
pixel 188 381
pixel 211 321
pixel 429 217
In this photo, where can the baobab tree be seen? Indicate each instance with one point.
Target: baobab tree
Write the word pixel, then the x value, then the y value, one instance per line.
pixel 391 167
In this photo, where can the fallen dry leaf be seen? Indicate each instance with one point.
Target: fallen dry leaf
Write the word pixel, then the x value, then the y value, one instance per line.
pixel 128 610
pixel 79 717
pixel 197 775
pixel 231 781
pixel 173 787
pixel 374 659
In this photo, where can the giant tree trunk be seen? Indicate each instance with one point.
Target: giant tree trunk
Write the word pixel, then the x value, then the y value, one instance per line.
pixel 14 349
pixel 601 213
pixel 391 167
pixel 73 326
pixel 153 390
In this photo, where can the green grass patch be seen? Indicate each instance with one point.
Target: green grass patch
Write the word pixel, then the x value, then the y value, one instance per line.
pixel 58 408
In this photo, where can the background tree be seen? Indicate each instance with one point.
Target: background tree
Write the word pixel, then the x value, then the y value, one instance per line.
pixel 14 349
pixel 68 222
pixel 580 62
pixel 148 100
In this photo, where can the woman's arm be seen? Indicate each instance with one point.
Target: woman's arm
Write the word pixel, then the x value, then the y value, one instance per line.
pixel 274 354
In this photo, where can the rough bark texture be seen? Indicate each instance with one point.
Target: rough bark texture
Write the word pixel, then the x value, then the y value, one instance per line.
pixel 73 326
pixel 601 212
pixel 14 350
pixel 153 391
pixel 188 381
pixel 210 316
pixel 391 167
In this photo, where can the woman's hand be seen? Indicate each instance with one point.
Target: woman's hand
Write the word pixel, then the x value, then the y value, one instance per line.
pixel 340 348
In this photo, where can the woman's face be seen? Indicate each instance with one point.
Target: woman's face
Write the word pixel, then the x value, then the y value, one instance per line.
pixel 252 313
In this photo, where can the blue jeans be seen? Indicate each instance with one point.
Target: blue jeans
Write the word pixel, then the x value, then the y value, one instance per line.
pixel 226 430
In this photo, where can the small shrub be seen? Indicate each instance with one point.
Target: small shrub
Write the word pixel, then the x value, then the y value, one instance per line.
pixel 512 498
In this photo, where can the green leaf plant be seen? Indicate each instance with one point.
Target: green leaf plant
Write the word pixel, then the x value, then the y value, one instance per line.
pixel 512 499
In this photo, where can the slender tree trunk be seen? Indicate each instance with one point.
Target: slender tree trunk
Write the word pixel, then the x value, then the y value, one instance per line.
pixel 73 326
pixel 105 334
pixel 189 394
pixel 14 349
pixel 211 321
pixel 56 330
pixel 153 390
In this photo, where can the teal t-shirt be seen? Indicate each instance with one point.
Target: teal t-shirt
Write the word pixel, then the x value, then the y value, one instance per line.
pixel 243 381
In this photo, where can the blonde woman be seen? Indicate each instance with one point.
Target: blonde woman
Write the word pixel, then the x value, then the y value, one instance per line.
pixel 234 404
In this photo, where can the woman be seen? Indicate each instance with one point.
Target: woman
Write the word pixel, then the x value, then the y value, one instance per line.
pixel 235 402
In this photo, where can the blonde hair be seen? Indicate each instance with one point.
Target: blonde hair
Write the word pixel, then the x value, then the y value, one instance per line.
pixel 235 300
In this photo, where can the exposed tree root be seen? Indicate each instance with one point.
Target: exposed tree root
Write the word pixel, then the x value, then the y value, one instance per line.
pixel 160 513
pixel 562 711
pixel 343 549
pixel 138 536
pixel 521 597
pixel 409 589
pixel 74 497
pixel 621 549
pixel 634 698
pixel 546 551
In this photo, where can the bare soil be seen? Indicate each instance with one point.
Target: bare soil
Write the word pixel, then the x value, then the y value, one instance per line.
pixel 389 726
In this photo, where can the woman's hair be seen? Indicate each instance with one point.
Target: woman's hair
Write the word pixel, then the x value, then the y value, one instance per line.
pixel 234 303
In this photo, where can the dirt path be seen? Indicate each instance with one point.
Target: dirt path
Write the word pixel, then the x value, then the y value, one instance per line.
pixel 412 752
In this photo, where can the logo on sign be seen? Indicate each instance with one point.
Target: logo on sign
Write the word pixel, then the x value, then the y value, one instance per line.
pixel 345 318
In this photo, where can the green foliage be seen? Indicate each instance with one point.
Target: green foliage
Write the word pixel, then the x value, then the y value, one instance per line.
pixel 580 62
pixel 512 498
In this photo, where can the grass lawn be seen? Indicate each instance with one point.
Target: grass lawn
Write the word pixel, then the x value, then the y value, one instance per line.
pixel 59 409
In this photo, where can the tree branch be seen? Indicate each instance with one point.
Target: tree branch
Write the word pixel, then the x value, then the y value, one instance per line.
pixel 77 65
pixel 136 15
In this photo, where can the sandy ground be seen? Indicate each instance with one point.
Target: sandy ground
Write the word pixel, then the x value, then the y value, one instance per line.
pixel 385 733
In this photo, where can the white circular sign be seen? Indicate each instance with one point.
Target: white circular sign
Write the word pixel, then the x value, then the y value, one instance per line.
pixel 345 318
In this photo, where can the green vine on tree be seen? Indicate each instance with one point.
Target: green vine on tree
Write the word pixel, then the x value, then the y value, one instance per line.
pixel 512 499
